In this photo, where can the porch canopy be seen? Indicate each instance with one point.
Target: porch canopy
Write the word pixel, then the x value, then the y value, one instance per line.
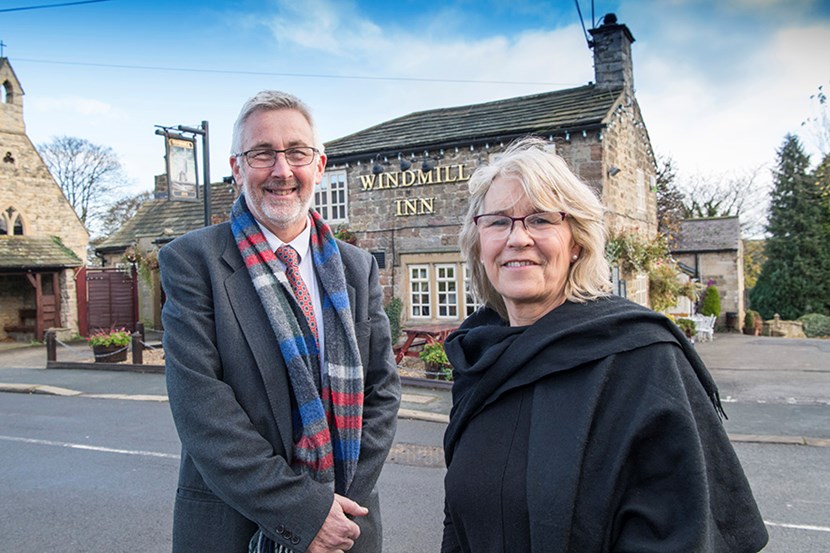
pixel 40 260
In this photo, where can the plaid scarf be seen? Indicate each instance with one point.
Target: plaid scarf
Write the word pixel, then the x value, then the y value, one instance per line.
pixel 328 411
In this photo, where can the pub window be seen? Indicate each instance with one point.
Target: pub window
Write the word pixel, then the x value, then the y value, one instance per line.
pixel 447 291
pixel 419 291
pixel 617 283
pixel 470 302
pixel 330 197
pixel 640 289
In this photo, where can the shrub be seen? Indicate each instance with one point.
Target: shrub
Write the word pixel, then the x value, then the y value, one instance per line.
pixel 393 311
pixel 434 354
pixel 663 286
pixel 711 301
pixel 687 326
pixel 815 325
pixel 749 320
pixel 435 359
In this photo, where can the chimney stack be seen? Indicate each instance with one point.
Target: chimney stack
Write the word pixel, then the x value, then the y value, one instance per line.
pixel 160 192
pixel 613 67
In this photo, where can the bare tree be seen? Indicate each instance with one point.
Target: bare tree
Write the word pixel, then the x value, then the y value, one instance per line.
pixel 87 173
pixel 818 123
pixel 122 210
pixel 726 196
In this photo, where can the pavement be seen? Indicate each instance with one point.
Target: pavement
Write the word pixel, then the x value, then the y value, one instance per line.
pixel 23 369
pixel 772 387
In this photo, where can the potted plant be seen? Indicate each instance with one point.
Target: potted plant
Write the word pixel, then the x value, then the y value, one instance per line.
pixel 109 346
pixel 753 323
pixel 436 364
pixel 688 327
pixel 749 323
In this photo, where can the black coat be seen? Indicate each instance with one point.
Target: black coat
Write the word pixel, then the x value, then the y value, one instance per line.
pixel 626 450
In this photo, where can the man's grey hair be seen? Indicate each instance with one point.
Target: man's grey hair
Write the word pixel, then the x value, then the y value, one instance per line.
pixel 268 100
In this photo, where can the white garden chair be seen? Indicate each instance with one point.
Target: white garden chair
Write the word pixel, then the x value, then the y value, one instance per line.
pixel 704 327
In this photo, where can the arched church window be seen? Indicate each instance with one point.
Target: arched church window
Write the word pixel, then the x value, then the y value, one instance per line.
pixel 6 93
pixel 11 222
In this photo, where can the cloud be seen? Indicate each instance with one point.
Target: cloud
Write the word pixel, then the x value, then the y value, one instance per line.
pixel 333 28
pixel 720 96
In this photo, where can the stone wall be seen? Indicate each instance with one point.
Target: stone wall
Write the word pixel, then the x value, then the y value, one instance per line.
pixel 725 269
pixel 406 212
pixel 28 187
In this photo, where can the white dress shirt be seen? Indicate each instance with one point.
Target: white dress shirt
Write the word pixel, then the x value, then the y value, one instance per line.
pixel 302 243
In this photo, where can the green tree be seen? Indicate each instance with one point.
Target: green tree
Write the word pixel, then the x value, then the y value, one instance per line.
pixel 753 261
pixel 711 301
pixel 794 279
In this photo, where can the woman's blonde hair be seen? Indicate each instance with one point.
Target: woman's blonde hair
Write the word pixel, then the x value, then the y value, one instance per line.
pixel 551 186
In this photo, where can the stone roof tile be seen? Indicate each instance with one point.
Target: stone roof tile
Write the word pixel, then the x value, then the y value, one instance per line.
pixel 32 252
pixel 550 112
pixel 169 219
pixel 710 234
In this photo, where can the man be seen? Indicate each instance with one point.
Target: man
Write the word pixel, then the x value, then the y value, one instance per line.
pixel 280 371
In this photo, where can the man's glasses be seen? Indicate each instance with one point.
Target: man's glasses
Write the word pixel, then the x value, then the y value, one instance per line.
pixel 499 227
pixel 264 158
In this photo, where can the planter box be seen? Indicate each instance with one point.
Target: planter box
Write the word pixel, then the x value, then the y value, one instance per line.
pixel 434 371
pixel 110 354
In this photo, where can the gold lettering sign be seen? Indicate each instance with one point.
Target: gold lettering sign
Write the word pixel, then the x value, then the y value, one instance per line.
pixel 447 174
pixel 414 206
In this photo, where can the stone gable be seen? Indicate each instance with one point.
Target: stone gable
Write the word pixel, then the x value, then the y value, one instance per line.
pixel 33 208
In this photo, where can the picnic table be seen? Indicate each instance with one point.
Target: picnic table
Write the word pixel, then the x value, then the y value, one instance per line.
pixel 417 336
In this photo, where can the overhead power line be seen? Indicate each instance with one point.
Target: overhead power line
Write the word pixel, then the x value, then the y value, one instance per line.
pixel 43 6
pixel 300 75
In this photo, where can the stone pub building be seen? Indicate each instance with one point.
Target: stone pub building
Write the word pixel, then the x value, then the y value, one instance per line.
pixel 400 187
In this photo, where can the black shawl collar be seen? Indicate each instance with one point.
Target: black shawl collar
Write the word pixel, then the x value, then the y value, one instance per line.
pixel 490 358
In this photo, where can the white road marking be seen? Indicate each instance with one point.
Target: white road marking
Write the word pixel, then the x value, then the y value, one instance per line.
pixel 91 447
pixel 798 526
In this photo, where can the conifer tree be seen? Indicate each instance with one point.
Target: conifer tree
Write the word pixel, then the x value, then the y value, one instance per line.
pixel 795 279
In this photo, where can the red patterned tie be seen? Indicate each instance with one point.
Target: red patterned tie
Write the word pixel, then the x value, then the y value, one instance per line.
pixel 291 260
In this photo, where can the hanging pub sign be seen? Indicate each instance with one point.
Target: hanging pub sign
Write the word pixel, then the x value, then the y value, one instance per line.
pixel 181 169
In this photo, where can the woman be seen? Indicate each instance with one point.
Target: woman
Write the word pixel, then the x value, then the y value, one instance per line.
pixel 581 422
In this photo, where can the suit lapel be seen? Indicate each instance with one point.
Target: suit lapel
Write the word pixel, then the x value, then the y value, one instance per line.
pixel 261 340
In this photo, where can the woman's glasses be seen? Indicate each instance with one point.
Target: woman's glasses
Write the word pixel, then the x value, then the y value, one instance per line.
pixel 537 225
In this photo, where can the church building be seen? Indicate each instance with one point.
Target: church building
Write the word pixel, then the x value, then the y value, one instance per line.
pixel 42 241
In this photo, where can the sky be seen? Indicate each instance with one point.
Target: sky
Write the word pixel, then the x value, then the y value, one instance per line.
pixel 719 82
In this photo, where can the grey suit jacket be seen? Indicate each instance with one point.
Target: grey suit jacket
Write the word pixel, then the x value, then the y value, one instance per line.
pixel 229 394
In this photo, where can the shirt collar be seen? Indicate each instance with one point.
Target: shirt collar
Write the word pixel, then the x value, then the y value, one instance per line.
pixel 302 243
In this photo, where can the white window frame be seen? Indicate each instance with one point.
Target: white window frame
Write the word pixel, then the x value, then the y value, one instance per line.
pixel 640 289
pixel 446 288
pixel 420 287
pixel 326 202
pixel 470 303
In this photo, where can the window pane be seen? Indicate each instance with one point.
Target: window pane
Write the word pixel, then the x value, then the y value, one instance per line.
pixel 419 291
pixel 446 287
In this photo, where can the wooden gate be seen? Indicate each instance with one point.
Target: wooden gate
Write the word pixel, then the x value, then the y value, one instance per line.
pixel 112 299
